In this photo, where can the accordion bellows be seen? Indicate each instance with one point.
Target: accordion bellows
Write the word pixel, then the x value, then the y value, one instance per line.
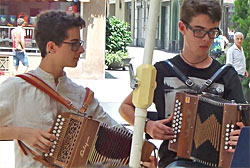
pixel 82 141
pixel 202 126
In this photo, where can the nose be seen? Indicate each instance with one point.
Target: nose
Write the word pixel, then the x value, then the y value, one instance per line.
pixel 81 50
pixel 206 37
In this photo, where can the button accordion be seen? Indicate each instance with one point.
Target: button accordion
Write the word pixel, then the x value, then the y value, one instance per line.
pixel 202 125
pixel 81 141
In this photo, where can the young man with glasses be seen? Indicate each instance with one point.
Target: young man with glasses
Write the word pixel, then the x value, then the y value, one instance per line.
pixel 199 22
pixel 27 113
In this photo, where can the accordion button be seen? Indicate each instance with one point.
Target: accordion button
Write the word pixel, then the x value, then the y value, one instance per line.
pixel 54 146
pixel 52 150
pixel 55 142
pixel 227 130
pixel 46 155
pixel 181 114
pixel 58 120
pixel 227 134
pixel 227 125
pixel 230 147
pixel 225 147
pixel 226 143
pixel 55 127
pixel 174 140
pixel 232 126
pixel 59 131
pixel 63 119
pixel 226 138
pixel 60 127
pixel 57 135
pixel 232 130
pixel 57 124
pixel 171 141
pixel 59 116
pixel 61 123
pixel 51 154
pixel 54 131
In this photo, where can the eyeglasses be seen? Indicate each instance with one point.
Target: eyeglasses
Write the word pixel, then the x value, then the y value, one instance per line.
pixel 75 45
pixel 199 33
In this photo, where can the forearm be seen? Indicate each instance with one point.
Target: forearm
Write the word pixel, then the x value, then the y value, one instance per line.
pixel 9 133
pixel 127 113
pixel 127 109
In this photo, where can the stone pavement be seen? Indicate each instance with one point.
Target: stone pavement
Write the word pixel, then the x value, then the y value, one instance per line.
pixel 110 92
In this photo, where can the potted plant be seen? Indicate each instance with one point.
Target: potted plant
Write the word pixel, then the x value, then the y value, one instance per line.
pixel 117 60
pixel 118 37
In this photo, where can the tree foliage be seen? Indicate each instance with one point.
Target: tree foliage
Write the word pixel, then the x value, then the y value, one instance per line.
pixel 241 20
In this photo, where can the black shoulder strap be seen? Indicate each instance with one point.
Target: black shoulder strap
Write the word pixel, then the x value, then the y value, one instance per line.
pixel 183 77
pixel 194 86
pixel 216 76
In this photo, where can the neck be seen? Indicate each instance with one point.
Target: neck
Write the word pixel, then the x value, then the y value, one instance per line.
pixel 198 61
pixel 49 67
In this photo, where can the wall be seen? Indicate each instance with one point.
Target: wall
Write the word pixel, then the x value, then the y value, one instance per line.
pixel 94 14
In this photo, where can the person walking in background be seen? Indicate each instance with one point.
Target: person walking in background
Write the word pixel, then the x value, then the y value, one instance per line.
pixel 236 56
pixel 18 39
pixel 219 46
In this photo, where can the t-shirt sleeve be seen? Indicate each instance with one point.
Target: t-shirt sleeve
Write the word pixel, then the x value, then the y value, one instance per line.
pixel 233 88
pixel 159 99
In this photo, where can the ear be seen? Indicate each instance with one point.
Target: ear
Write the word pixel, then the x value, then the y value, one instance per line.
pixel 182 27
pixel 50 48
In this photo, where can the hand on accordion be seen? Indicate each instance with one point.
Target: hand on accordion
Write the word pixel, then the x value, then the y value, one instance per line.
pixel 36 138
pixel 158 129
pixel 234 136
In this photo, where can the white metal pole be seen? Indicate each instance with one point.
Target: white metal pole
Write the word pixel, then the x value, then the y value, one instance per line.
pixel 141 113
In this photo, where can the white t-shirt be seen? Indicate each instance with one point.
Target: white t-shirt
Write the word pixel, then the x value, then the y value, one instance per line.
pixel 22 104
pixel 236 58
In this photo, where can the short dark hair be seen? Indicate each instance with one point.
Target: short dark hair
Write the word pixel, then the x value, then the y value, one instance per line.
pixel 52 25
pixel 192 8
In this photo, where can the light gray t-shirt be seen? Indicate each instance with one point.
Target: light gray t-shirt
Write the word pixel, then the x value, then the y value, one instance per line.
pixel 236 58
pixel 23 105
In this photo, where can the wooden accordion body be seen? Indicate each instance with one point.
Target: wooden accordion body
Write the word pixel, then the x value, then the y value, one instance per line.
pixel 82 141
pixel 202 125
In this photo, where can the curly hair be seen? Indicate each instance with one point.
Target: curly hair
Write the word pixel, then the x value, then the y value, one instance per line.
pixel 192 8
pixel 52 25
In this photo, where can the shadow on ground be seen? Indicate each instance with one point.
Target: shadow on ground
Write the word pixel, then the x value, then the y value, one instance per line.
pixel 109 76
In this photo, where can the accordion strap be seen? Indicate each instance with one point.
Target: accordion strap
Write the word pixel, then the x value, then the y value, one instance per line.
pixel 194 86
pixel 183 77
pixel 216 76
pixel 40 84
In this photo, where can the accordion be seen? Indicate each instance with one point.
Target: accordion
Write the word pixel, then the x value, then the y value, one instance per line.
pixel 81 141
pixel 202 126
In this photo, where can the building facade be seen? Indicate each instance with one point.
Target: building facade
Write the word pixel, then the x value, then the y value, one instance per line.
pixel 168 37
